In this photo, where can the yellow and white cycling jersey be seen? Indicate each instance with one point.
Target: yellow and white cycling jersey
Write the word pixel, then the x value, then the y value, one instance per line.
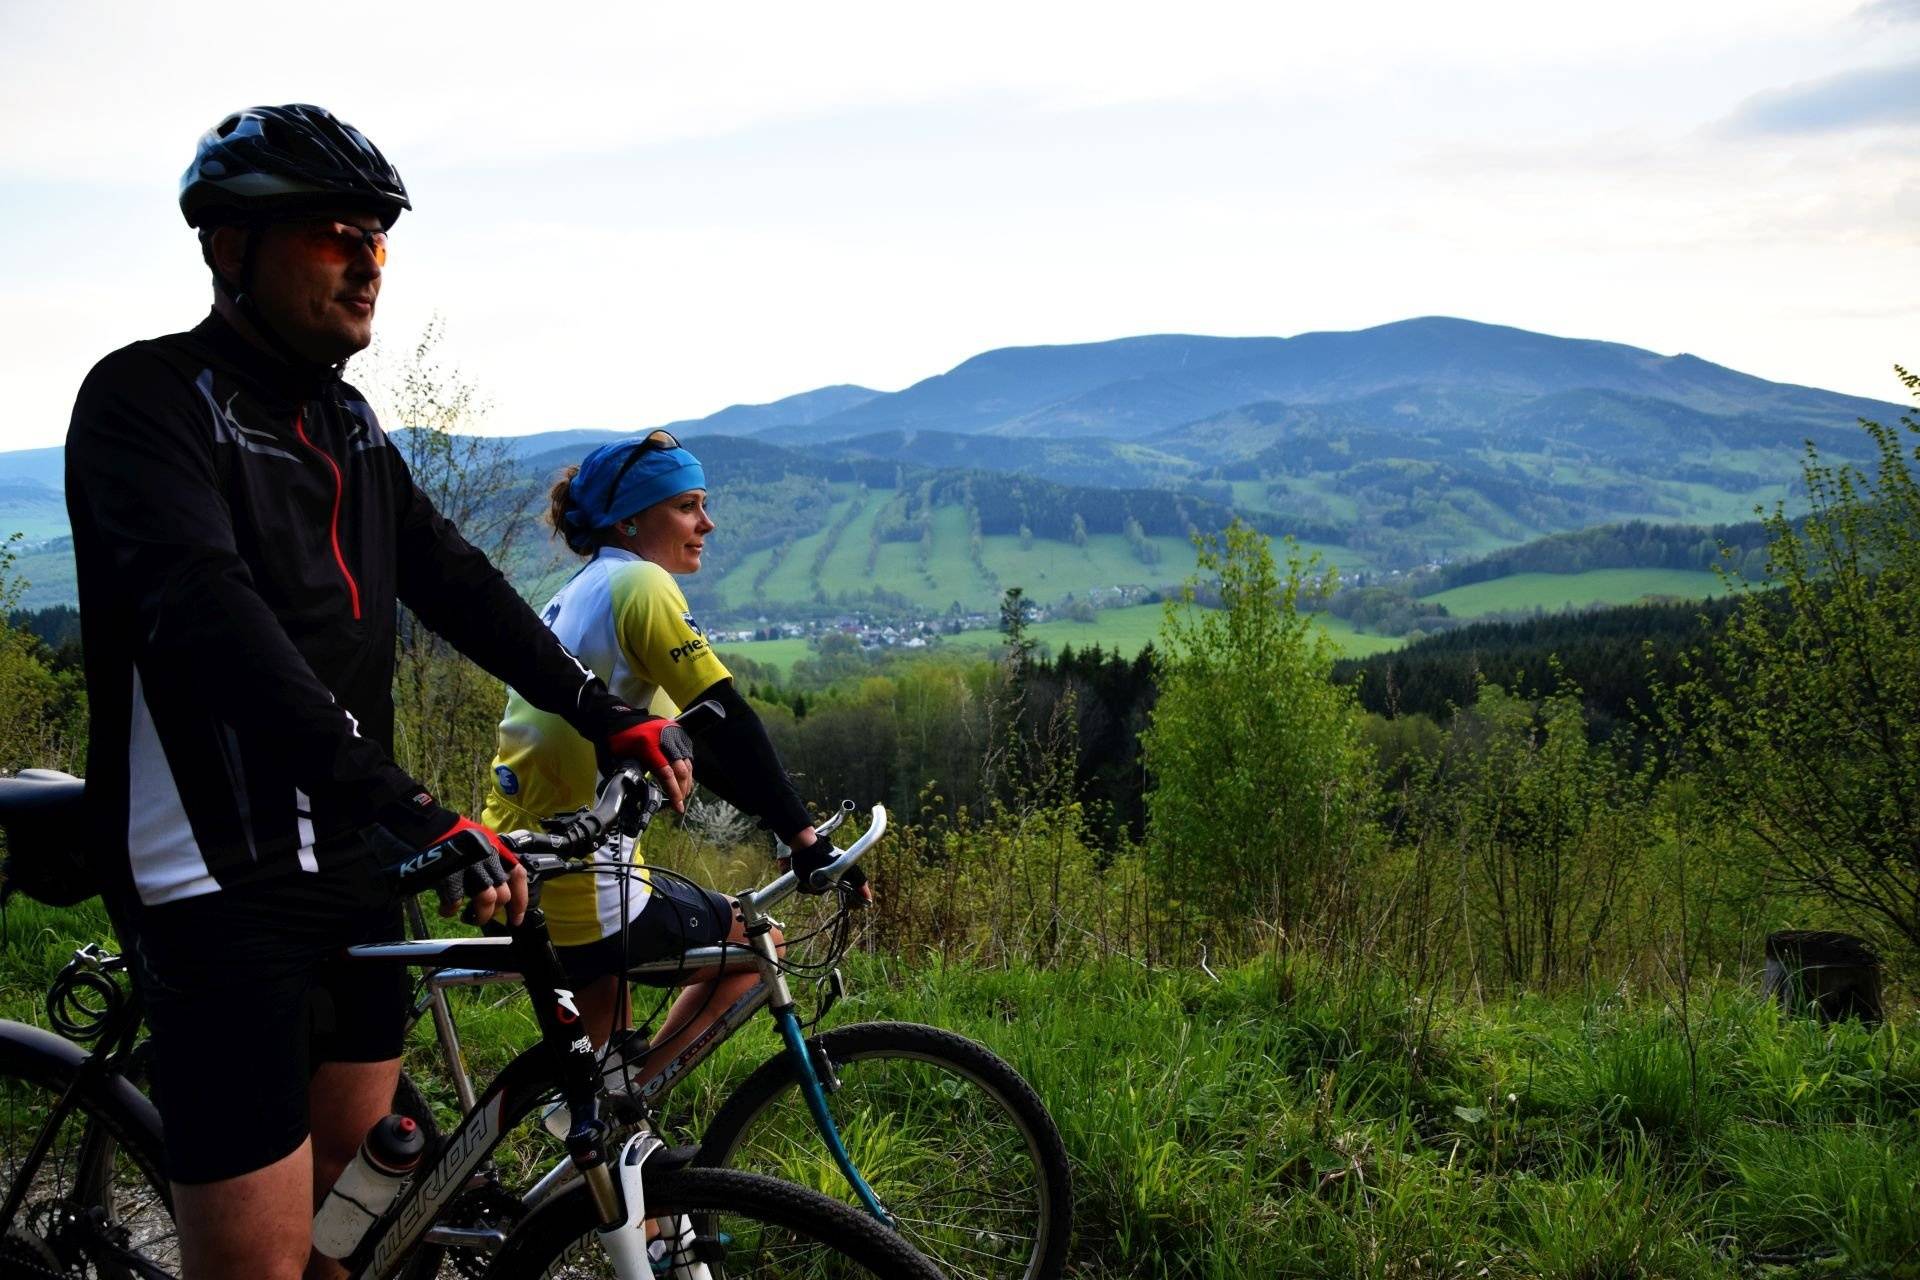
pixel 626 618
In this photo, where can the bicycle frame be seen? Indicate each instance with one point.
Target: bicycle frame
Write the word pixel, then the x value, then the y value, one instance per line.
pixel 564 1051
pixel 759 954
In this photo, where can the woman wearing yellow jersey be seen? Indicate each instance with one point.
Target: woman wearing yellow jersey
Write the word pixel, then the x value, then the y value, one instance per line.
pixel 636 511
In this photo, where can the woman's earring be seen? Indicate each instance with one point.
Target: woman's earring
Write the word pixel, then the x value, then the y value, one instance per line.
pixel 631 528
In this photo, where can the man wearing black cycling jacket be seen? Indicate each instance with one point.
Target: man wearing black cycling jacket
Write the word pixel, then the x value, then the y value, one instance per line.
pixel 243 531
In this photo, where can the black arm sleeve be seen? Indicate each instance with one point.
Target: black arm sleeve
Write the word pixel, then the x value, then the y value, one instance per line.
pixel 453 588
pixel 145 492
pixel 734 758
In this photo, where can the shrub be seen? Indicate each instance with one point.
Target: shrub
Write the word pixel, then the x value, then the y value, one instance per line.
pixel 1260 777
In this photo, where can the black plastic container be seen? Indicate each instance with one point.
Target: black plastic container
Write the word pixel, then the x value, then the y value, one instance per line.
pixel 1828 975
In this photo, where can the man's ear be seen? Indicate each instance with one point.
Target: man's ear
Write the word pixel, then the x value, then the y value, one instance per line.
pixel 226 251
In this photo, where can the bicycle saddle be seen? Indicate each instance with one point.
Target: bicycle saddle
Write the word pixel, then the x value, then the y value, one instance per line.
pixel 42 794
pixel 40 810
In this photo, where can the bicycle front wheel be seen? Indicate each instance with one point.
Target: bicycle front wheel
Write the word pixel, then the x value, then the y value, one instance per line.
pixel 716 1224
pixel 95 1203
pixel 956 1145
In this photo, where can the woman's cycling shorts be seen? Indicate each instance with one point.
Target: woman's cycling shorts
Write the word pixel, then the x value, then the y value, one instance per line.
pixel 677 916
pixel 246 992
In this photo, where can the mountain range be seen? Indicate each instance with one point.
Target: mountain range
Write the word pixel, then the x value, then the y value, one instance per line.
pixel 1427 439
pixel 1145 387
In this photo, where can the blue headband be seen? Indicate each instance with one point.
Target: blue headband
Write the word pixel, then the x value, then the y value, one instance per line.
pixel 622 479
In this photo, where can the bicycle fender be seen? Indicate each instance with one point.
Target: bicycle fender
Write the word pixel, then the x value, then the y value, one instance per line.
pixel 22 1043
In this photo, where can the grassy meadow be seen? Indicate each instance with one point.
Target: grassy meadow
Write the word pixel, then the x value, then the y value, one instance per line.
pixel 1552 592
pixel 1297 1116
pixel 843 561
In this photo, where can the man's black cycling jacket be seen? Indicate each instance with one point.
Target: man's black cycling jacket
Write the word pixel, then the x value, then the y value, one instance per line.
pixel 242 533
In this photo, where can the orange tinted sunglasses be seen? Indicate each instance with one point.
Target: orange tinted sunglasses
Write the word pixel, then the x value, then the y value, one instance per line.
pixel 342 242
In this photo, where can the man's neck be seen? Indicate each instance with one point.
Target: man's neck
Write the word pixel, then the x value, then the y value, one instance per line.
pixel 270 363
pixel 229 311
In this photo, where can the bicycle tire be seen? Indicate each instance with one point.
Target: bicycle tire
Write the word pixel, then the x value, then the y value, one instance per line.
pixel 956 1145
pixel 100 1193
pixel 770 1229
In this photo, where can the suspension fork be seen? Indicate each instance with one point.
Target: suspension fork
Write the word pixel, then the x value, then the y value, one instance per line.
pixel 759 927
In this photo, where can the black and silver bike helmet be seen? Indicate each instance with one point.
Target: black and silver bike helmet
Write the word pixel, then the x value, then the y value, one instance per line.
pixel 264 161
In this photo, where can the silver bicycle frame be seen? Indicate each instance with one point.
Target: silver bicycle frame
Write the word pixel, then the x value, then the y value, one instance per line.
pixel 758 954
pixel 754 904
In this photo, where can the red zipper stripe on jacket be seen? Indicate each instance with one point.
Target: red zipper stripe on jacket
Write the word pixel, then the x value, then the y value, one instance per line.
pixel 339 491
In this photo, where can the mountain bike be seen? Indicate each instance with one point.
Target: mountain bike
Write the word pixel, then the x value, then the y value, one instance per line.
pixel 920 1127
pixel 85 1192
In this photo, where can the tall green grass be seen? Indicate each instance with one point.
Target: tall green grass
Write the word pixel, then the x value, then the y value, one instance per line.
pixel 1299 1116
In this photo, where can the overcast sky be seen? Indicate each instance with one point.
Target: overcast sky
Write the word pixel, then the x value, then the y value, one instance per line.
pixel 638 213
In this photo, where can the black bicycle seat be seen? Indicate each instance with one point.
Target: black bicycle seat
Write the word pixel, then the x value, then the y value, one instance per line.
pixel 41 795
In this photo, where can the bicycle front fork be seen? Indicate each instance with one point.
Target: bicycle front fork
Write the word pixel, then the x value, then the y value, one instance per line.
pixel 759 937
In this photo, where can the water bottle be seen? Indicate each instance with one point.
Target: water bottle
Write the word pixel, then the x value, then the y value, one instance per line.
pixel 389 1153
pixel 620 1063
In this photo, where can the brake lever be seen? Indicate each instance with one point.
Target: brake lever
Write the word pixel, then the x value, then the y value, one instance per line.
pixel 840 815
pixel 641 816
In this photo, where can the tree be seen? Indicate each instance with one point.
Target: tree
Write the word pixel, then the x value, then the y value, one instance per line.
pixel 1811 726
pixel 1545 826
pixel 1014 612
pixel 43 712
pixel 1258 771
pixel 445 708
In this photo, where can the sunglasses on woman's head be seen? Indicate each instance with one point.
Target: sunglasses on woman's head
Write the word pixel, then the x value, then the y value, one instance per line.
pixel 652 442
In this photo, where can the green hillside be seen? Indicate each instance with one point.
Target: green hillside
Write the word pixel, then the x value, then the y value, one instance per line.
pixel 48 575
pixel 1525 592
pixel 865 551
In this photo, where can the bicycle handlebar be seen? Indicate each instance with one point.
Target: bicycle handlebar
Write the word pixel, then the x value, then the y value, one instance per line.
pixel 578 836
pixel 628 801
pixel 786 883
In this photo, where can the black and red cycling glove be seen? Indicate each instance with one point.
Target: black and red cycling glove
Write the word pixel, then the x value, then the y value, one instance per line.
pixel 654 741
pixel 490 871
pixel 480 859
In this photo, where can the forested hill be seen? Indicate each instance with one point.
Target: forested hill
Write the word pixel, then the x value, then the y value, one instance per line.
pixel 1612 656
pixel 1633 545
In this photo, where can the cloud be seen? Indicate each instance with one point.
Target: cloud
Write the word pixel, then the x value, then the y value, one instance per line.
pixel 1868 97
pixel 1889 12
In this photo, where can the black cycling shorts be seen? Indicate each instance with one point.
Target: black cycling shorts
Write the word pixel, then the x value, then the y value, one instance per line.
pixel 246 993
pixel 677 916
